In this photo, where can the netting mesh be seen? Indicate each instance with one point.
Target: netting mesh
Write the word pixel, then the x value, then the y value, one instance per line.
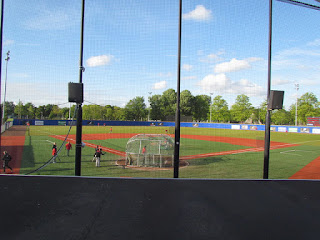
pixel 150 150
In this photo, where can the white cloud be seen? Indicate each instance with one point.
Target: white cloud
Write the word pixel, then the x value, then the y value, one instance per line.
pixel 159 85
pixel 200 13
pixel 232 66
pixel 187 67
pixel 248 88
pixel 221 83
pixel 99 60
pixel 213 82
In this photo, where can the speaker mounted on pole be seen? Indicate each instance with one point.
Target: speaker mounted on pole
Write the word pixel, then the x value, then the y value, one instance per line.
pixel 276 100
pixel 75 92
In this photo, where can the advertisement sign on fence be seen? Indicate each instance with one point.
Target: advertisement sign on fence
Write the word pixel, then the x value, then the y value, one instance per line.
pixel 316 130
pixel 237 127
pixel 282 129
pixel 294 130
pixel 38 123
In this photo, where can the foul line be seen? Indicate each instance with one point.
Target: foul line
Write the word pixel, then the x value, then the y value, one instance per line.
pixel 109 150
pixel 247 150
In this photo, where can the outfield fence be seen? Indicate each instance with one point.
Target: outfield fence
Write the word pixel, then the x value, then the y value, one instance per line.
pixel 6 126
pixel 249 127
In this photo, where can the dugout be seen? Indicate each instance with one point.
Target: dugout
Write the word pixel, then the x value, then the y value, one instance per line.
pixel 150 150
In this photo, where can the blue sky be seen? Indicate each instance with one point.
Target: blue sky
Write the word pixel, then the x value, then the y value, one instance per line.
pixel 130 49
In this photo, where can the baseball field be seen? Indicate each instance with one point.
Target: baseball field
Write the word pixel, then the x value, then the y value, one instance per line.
pixel 204 152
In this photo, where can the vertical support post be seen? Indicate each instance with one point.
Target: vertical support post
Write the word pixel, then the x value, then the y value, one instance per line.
pixel 267 146
pixel 79 113
pixel 296 117
pixel 268 118
pixel 177 120
pixel 1 34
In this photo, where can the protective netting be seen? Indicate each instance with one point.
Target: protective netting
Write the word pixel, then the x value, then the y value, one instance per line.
pixel 150 150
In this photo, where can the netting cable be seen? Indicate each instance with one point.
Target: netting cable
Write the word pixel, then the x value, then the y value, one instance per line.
pixel 52 159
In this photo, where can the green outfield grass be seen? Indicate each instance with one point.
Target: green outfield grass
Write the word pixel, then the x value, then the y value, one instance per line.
pixel 284 162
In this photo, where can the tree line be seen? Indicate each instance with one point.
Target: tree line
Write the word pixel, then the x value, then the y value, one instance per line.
pixel 163 107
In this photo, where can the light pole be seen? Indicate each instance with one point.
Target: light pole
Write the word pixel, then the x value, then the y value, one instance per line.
pixel 211 105
pixel 149 106
pixel 297 88
pixel 5 86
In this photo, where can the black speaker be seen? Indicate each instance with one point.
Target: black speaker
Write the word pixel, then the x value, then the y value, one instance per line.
pixel 276 100
pixel 75 92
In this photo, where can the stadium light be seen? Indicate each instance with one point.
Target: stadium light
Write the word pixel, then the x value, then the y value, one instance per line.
pixel 1 33
pixel 5 87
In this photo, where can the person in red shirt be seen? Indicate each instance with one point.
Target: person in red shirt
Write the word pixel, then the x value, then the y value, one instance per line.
pixel 68 148
pixel 144 152
pixel 55 154
pixel 144 149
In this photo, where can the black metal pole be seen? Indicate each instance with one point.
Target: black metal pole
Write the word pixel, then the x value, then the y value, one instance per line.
pixel 79 113
pixel 177 120
pixel 1 32
pixel 268 118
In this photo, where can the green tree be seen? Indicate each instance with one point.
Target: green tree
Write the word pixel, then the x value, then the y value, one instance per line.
pixel 8 110
pixel 47 110
pixel 136 109
pixel 19 110
pixel 119 113
pixel 30 110
pixel 40 112
pixel 92 112
pixel 156 107
pixel 168 102
pixel 219 110
pixel 108 112
pixel 186 103
pixel 55 112
pixel 262 112
pixel 201 107
pixel 242 109
pixel 307 107
pixel 281 117
pixel 65 112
